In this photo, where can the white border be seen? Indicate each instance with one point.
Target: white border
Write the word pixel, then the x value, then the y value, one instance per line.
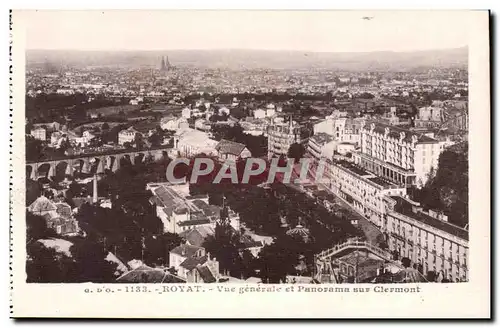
pixel 283 306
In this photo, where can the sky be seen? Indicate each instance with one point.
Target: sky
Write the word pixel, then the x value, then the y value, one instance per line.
pixel 316 31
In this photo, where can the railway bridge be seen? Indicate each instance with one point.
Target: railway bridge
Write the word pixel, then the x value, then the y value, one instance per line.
pixel 90 163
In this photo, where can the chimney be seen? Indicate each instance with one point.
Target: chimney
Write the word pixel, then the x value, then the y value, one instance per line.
pixel 95 196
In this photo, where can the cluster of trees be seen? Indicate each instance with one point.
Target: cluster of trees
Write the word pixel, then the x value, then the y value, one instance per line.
pixel 130 229
pixel 261 211
pixel 86 261
pixel 274 263
pixel 53 107
pixel 447 189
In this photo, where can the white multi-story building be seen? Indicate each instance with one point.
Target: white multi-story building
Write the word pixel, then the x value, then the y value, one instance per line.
pixel 259 113
pixel 363 190
pixel 189 142
pixel 173 123
pixel 429 117
pixel 179 214
pixel 127 135
pixel 321 145
pixel 341 128
pixel 39 133
pixel 281 135
pixel 398 155
pixel 427 239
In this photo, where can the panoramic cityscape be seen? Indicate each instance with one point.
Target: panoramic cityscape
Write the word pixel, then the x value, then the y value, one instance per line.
pixel 127 151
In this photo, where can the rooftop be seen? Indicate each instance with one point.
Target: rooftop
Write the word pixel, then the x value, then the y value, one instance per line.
pixel 394 132
pixel 187 250
pixel 352 167
pixel 145 274
pixel 321 138
pixel 193 222
pixel 192 262
pixel 406 208
pixel 230 147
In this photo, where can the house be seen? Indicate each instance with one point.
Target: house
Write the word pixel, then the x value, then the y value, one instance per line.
pixel 179 214
pixel 253 246
pixel 172 123
pixel 194 264
pixel 186 112
pixel 197 235
pixel 39 133
pixel 58 216
pixel 202 124
pixel 230 150
pixel 127 135
pixel 259 113
pixel 146 129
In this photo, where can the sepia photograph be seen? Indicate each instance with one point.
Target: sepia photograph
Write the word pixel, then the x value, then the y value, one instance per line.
pixel 249 150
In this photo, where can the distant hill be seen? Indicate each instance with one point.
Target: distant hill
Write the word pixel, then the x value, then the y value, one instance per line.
pixel 385 60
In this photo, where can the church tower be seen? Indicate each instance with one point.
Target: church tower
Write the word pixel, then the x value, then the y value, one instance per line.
pixel 162 67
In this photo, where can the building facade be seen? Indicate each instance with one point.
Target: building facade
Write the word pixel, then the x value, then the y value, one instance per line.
pixel 342 129
pixel 398 155
pixel 39 133
pixel 190 142
pixel 281 135
pixel 362 190
pixel 127 135
pixel 232 151
pixel 321 145
pixel 427 239
pixel 194 264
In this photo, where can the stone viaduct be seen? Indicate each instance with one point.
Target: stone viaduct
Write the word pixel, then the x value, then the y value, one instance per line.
pixel 86 163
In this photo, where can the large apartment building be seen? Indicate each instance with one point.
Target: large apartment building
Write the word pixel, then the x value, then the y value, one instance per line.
pixel 426 238
pixel 401 156
pixel 363 190
pixel 280 135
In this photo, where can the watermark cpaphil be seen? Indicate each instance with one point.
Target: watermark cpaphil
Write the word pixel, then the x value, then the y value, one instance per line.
pixel 245 171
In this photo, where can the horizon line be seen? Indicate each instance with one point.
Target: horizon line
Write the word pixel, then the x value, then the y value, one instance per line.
pixel 247 49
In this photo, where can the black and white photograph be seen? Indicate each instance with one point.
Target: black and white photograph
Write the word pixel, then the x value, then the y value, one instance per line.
pixel 312 150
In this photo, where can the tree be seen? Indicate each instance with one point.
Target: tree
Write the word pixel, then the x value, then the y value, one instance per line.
pixel 296 151
pixel 224 245
pixel 138 141
pixel 406 262
pixel 45 265
pixel 155 139
pixel 91 264
pixel 33 191
pixel 278 260
pixel 105 127
pixel 158 247
pixel 431 276
pixel 36 227
pixel 34 149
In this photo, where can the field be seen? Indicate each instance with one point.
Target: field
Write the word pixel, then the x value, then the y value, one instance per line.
pixel 114 110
